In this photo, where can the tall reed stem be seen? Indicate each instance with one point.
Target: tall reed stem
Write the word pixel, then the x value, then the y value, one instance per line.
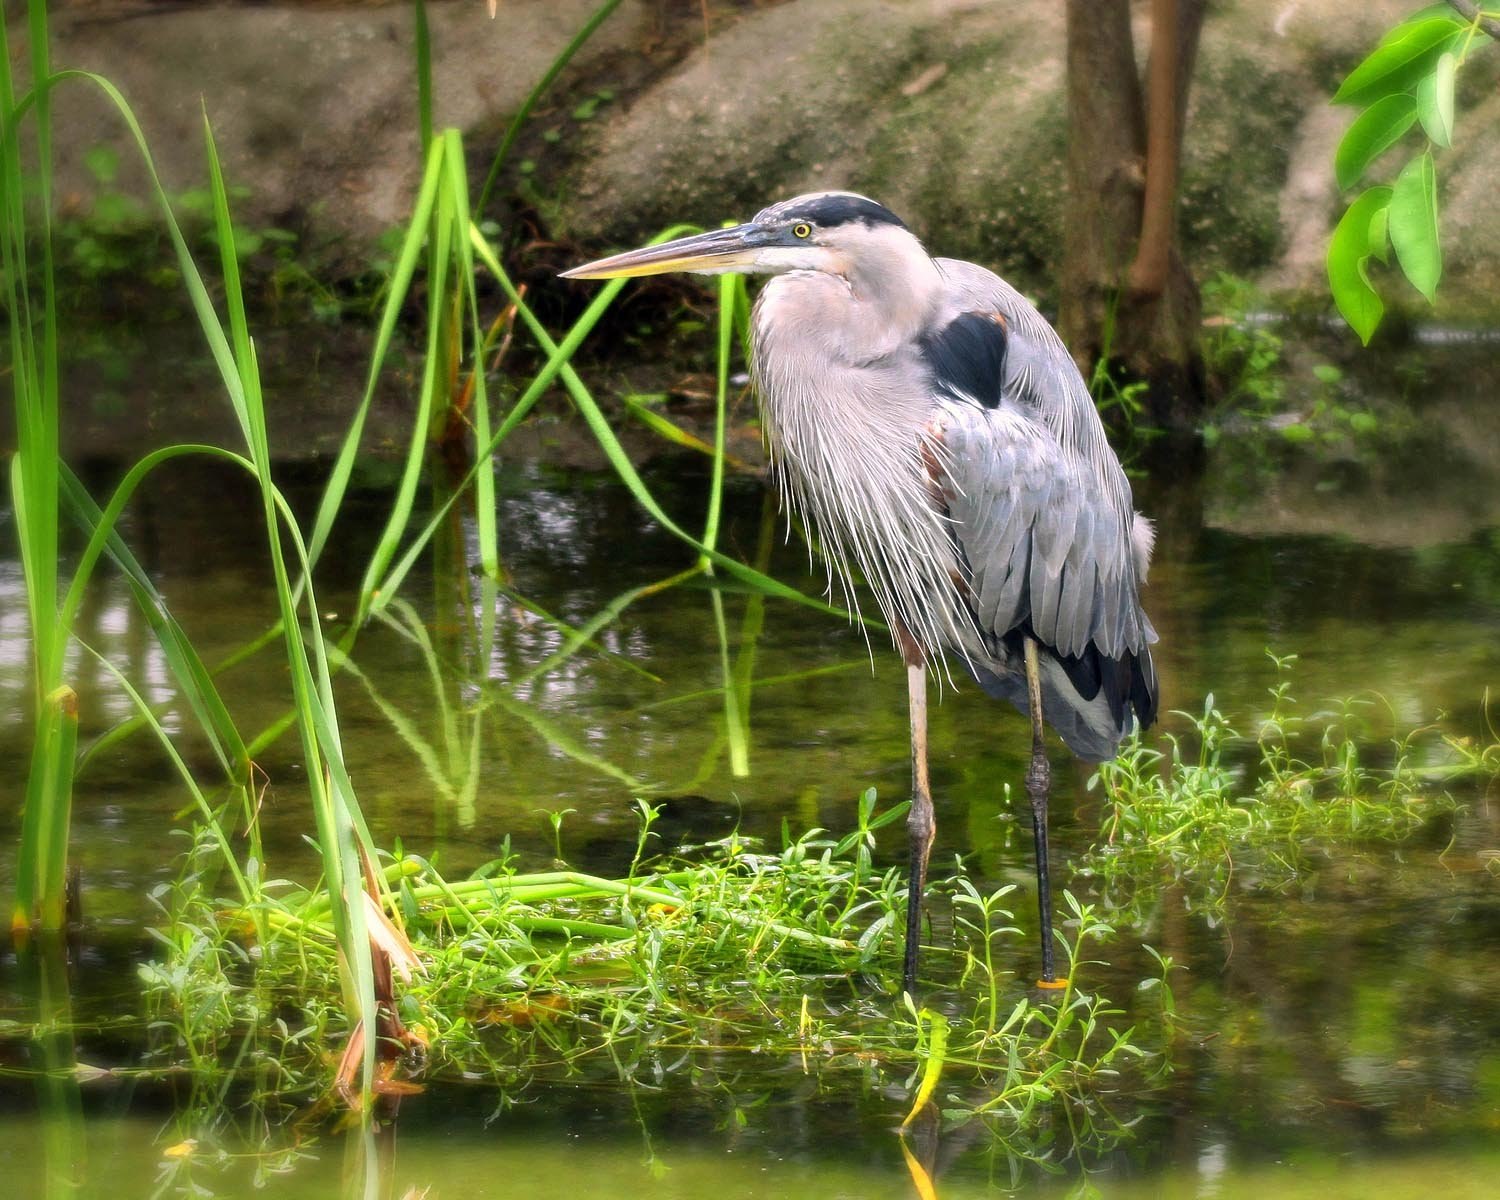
pixel 34 480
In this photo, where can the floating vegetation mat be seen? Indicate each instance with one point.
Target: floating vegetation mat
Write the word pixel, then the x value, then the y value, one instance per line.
pixel 723 954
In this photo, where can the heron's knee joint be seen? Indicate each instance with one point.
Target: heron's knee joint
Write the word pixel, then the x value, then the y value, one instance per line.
pixel 920 823
pixel 1038 779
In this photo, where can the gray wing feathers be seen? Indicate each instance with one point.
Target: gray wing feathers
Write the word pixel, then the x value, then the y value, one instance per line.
pixel 1039 503
pixel 1042 546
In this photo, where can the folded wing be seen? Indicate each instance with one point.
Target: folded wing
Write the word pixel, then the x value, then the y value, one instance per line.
pixel 1044 528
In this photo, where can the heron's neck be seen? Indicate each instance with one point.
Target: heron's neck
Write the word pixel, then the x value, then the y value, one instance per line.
pixel 894 288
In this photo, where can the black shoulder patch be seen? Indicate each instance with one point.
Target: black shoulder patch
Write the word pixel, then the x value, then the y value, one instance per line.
pixel 833 209
pixel 967 357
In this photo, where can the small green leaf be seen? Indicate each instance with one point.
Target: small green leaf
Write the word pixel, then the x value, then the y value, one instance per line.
pixel 247 243
pixel 1414 225
pixel 103 163
pixel 1374 132
pixel 1435 101
pixel 1402 58
pixel 1360 233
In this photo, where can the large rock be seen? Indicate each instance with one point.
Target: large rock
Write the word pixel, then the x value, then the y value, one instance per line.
pixel 949 111
pixel 314 108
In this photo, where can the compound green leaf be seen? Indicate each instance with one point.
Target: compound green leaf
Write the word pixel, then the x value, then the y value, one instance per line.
pixel 1435 101
pixel 1374 132
pixel 1360 233
pixel 1404 55
pixel 1414 225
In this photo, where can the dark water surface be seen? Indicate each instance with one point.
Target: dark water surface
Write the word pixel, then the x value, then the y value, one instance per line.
pixel 1342 1030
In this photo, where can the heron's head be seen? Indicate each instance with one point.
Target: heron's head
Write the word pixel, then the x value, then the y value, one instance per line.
pixel 832 232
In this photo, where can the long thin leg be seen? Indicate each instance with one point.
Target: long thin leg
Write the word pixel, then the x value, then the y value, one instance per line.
pixel 1038 784
pixel 921 825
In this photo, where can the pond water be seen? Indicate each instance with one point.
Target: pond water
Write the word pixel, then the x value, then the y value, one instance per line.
pixel 1341 1030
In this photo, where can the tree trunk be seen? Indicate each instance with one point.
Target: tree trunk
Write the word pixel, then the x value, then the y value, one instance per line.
pixel 1106 151
pixel 1127 296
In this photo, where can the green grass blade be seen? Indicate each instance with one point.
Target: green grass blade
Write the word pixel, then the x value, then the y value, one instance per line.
pixel 753 622
pixel 736 725
pixel 198 295
pixel 642 411
pixel 484 480
pixel 41 866
pixel 422 49
pixel 400 285
pixel 432 394
pixel 193 678
pixel 335 809
pixel 721 401
pixel 557 359
pixel 735 730
pixel 341 825
pixel 43 849
pixel 932 1063
pixel 206 814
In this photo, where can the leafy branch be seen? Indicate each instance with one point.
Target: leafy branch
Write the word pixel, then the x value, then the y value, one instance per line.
pixel 1407 82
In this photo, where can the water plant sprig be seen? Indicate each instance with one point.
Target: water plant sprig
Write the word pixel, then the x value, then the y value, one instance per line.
pixel 1197 805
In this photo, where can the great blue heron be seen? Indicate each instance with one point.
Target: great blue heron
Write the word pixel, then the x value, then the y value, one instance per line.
pixel 930 428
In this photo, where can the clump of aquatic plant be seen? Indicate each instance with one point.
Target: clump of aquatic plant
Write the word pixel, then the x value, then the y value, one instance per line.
pixel 1197 809
pixel 705 957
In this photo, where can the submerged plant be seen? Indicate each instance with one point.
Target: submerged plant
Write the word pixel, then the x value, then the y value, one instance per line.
pixel 1196 809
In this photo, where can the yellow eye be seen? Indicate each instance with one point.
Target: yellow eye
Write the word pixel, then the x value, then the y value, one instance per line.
pixel 801 230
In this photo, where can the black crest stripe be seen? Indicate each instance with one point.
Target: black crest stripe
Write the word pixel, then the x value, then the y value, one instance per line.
pixel 838 208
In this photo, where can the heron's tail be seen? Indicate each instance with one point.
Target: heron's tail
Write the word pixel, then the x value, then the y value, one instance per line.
pixel 1091 701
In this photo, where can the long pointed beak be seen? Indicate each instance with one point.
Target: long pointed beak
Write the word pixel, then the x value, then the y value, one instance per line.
pixel 711 253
